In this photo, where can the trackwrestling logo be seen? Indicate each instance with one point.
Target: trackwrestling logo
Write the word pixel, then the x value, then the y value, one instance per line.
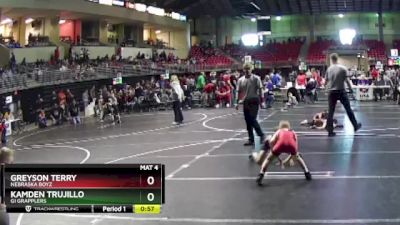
pixel 28 208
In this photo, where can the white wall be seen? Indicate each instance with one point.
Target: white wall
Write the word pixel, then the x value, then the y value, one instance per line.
pixel 95 51
pixel 167 51
pixel 35 53
pixel 127 51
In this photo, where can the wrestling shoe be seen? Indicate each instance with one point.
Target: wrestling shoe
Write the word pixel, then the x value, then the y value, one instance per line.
pixel 308 175
pixel 331 134
pixel 249 143
pixel 359 125
pixel 260 179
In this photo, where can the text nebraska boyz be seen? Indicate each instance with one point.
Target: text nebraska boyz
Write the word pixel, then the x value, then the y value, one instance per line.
pixel 39 180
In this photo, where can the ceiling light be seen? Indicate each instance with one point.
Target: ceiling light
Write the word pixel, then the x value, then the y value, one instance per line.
pixel 61 22
pixel 6 21
pixel 29 20
pixel 158 31
pixel 253 20
pixel 341 15
pixel 278 18
pixel 250 39
pixel 347 36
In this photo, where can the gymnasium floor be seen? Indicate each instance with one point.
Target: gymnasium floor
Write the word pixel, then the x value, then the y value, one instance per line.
pixel 210 179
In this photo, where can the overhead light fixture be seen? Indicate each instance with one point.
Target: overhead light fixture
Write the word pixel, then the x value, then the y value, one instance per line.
pixel 341 15
pixel 61 22
pixel 253 19
pixel 158 31
pixel 279 18
pixel 176 16
pixel 156 11
pixel 255 6
pixel 6 21
pixel 250 39
pixel 346 36
pixel 140 7
pixel 29 20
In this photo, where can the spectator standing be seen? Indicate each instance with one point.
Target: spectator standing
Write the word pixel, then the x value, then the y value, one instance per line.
pixel 177 98
pixel 74 112
pixel 201 81
pixel 57 55
pixel 54 98
pixel 336 77
pixel 301 83
pixel 269 92
pixel 3 129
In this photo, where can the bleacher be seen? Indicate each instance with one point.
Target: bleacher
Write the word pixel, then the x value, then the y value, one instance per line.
pixel 208 56
pixel 273 53
pixel 376 49
pixel 317 51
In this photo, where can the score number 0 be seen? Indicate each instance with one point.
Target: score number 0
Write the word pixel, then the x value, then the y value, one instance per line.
pixel 150 182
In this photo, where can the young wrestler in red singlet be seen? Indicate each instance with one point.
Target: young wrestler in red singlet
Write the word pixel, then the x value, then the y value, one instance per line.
pixel 283 141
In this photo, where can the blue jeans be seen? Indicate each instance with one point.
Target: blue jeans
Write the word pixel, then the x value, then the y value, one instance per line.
pixel 269 100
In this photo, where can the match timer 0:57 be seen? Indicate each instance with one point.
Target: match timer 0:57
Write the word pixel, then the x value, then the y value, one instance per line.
pixel 147 209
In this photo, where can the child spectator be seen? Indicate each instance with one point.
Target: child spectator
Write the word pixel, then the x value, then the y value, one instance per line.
pixel 42 121
pixel 269 93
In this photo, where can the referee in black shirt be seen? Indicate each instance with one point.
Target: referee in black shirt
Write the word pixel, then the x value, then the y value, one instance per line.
pixel 336 77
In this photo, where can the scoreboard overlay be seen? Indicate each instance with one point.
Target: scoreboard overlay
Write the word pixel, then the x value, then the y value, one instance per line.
pixel 83 188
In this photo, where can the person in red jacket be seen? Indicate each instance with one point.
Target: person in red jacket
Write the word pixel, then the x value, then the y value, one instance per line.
pixel 209 94
pixel 223 94
pixel 301 82
pixel 374 74
pixel 283 141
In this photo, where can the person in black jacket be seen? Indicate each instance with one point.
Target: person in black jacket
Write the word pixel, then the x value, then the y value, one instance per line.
pixel 74 112
pixel 310 90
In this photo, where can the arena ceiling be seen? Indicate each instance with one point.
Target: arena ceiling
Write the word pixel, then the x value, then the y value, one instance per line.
pixel 195 8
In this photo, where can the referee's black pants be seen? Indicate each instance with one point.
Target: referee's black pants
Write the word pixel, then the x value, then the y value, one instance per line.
pixel 250 111
pixel 333 97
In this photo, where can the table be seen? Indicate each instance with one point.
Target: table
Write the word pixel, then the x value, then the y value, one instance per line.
pixel 366 93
